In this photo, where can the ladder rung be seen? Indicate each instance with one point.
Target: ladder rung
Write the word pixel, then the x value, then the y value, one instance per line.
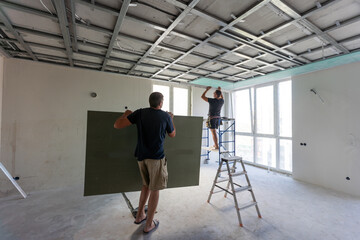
pixel 222 180
pixel 240 189
pixel 226 152
pixel 223 189
pixel 237 174
pixel 247 205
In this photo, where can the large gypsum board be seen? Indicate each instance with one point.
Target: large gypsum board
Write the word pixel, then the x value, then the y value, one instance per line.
pixel 111 167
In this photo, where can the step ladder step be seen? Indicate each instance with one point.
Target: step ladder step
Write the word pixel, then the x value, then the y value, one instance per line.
pixel 222 152
pixel 229 159
pixel 241 189
pixel 247 205
pixel 238 174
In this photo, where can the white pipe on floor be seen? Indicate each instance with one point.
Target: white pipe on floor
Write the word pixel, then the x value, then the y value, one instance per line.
pixel 12 180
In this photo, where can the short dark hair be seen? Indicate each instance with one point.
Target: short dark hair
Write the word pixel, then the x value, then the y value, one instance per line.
pixel 218 93
pixel 155 99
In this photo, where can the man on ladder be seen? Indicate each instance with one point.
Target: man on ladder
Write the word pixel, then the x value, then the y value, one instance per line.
pixel 215 105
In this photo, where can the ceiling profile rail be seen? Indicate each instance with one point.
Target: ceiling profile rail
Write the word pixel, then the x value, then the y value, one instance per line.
pixel 157 27
pixel 64 27
pixel 119 21
pixel 254 8
pixel 320 34
pixel 101 47
pixel 4 52
pixel 9 26
pixel 72 26
pixel 182 15
pixel 115 13
pixel 222 23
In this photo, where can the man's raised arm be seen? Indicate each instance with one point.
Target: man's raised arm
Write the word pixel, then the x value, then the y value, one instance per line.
pixel 203 95
pixel 123 121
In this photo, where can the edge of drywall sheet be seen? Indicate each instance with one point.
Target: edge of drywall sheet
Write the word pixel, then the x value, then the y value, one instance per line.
pixel 311 67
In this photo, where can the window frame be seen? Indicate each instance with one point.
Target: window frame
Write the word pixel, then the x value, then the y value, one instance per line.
pixel 255 134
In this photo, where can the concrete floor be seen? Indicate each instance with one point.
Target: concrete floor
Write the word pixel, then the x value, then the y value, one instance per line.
pixel 290 209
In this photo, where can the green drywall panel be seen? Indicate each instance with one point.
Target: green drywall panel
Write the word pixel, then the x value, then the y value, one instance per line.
pixel 111 167
pixel 307 68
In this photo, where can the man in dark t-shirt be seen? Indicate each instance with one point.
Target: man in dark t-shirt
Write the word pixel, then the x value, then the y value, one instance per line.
pixel 215 105
pixel 152 125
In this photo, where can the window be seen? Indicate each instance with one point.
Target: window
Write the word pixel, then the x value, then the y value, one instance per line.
pixel 264 125
pixel 266 151
pixel 265 110
pixel 244 145
pixel 243 113
pixel 165 90
pixel 181 98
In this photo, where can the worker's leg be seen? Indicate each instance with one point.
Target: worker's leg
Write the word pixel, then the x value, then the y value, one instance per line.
pixel 144 195
pixel 153 202
pixel 142 201
pixel 158 181
pixel 213 132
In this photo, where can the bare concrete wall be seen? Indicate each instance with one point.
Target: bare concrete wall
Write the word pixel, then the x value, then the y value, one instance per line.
pixel 331 130
pixel 44 119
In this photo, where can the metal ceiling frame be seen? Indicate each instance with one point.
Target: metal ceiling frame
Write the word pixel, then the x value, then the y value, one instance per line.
pixel 122 13
pixel 35 32
pixel 161 28
pixel 166 32
pixel 64 26
pixel 4 52
pixel 228 30
pixel 320 34
pixel 9 26
pixel 238 19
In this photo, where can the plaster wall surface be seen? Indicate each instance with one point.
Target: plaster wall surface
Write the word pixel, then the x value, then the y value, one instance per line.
pixel 44 119
pixel 331 130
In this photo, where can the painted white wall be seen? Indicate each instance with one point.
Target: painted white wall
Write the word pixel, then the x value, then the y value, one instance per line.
pixel 44 119
pixel 331 129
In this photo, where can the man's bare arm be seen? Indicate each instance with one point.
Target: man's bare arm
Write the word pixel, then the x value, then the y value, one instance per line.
pixel 203 95
pixel 222 97
pixel 173 133
pixel 123 121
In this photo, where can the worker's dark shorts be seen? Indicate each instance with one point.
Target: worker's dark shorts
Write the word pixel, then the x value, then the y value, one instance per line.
pixel 214 123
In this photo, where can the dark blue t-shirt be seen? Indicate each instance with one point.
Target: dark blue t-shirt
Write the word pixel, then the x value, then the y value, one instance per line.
pixel 215 106
pixel 152 125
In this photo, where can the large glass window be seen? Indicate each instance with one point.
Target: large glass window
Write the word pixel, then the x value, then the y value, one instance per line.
pixel 265 110
pixel 263 117
pixel 285 155
pixel 245 146
pixel 266 151
pixel 243 113
pixel 165 90
pixel 181 97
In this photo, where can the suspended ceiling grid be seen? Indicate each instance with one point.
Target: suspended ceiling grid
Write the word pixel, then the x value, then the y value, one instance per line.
pixel 169 40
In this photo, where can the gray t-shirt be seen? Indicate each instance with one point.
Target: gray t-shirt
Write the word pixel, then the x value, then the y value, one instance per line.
pixel 215 106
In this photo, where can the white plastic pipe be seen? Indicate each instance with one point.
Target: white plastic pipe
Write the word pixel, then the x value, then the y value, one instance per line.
pixel 12 180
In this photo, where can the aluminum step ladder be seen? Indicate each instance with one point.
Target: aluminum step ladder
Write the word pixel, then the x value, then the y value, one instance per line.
pixel 231 173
